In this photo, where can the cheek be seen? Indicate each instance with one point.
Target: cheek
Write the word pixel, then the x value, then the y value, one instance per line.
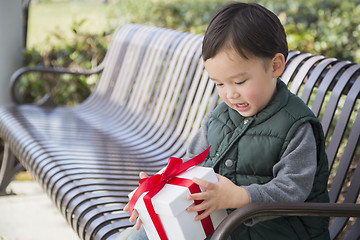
pixel 222 94
pixel 258 92
pixel 259 98
pixel 253 96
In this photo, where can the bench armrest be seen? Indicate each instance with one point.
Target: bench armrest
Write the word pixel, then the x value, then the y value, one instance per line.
pixel 18 73
pixel 249 211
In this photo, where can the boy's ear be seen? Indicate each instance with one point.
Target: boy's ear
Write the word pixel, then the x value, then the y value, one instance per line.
pixel 278 65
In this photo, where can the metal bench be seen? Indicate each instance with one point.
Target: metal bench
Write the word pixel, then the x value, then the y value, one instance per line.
pixel 150 99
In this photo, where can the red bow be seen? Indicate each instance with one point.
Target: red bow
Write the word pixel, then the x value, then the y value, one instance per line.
pixel 155 183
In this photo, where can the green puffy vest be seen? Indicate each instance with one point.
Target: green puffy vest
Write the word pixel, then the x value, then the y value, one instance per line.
pixel 246 149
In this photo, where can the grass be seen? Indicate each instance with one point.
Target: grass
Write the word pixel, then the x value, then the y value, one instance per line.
pixel 58 16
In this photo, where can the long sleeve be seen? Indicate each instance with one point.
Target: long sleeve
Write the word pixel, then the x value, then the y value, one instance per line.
pixel 293 174
pixel 199 142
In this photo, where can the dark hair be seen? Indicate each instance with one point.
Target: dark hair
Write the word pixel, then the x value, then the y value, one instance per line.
pixel 248 28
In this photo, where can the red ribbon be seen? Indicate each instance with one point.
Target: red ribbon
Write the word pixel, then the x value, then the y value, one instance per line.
pixel 194 188
pixel 155 183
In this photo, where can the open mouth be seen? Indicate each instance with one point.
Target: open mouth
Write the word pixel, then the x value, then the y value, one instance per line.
pixel 241 107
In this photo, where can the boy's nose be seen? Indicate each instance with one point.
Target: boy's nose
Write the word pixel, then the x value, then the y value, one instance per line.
pixel 232 93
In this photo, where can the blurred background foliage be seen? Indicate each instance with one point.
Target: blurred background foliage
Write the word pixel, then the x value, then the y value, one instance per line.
pixel 83 50
pixel 326 27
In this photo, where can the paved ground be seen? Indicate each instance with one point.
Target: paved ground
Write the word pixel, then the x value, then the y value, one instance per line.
pixel 30 215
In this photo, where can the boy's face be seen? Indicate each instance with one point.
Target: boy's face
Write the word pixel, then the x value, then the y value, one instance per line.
pixel 245 85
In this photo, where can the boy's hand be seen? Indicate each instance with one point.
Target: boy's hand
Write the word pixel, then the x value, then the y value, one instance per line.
pixel 221 195
pixel 135 216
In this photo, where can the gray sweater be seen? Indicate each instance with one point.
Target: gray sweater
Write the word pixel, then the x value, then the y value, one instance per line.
pixel 293 174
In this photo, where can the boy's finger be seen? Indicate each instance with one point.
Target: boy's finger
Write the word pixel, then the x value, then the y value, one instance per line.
pixel 197 208
pixel 197 196
pixel 138 224
pixel 133 216
pixel 143 175
pixel 203 215
pixel 202 183
pixel 126 208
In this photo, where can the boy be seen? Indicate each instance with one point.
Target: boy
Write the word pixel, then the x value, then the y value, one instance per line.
pixel 267 146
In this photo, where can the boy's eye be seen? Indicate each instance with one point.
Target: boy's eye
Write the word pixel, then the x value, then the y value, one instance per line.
pixel 219 84
pixel 239 83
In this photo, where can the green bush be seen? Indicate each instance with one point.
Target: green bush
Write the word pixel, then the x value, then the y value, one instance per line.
pixel 82 51
pixel 327 27
pixel 185 15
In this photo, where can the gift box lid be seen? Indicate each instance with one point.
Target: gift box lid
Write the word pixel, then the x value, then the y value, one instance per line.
pixel 171 200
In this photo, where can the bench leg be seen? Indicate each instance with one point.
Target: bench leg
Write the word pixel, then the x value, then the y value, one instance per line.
pixel 10 166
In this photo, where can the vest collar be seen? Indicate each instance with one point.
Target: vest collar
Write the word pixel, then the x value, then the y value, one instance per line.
pixel 276 104
pixel 279 100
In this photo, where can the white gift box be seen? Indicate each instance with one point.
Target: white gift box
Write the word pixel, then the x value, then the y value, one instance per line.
pixel 170 204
